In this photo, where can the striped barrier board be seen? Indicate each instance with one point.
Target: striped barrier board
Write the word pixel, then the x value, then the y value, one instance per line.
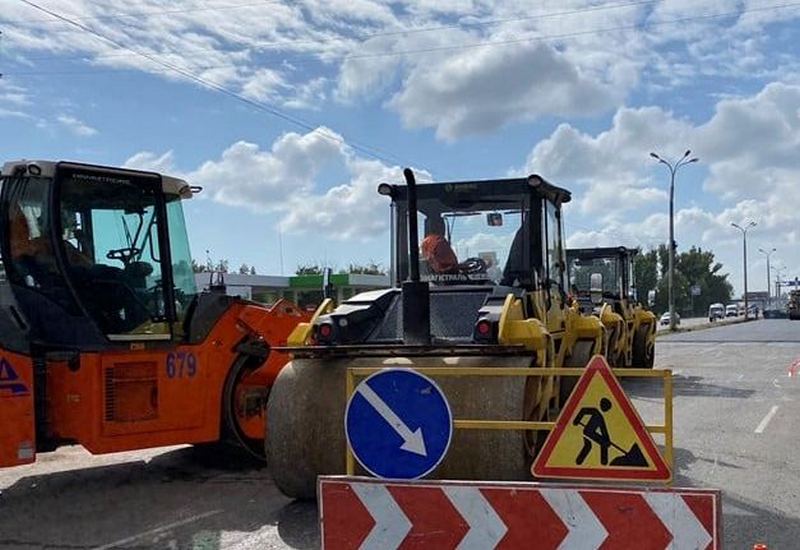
pixel 367 513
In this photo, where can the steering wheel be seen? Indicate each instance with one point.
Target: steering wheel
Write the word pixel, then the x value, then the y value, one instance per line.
pixel 123 254
pixel 472 265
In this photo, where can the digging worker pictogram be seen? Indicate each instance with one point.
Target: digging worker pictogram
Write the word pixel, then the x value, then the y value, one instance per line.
pixel 594 431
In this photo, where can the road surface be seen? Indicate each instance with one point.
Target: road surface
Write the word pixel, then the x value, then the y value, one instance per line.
pixel 735 413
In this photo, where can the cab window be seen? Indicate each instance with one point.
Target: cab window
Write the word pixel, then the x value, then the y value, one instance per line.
pixel 112 251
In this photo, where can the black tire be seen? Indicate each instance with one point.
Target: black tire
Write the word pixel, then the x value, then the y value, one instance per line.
pixel 643 354
pixel 305 424
pixel 234 447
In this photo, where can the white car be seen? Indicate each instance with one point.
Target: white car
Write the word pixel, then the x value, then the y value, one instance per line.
pixel 665 319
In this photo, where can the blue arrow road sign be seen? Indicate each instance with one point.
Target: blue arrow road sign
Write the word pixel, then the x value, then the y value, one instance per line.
pixel 398 424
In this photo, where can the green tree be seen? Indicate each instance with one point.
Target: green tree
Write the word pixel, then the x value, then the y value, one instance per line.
pixel 370 268
pixel 197 267
pixel 699 268
pixel 696 267
pixel 244 269
pixel 645 273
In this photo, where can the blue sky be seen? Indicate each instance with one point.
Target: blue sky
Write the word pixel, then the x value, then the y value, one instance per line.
pixel 577 91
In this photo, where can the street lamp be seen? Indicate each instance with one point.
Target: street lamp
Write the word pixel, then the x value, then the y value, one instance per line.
pixel 673 168
pixel 768 253
pixel 744 256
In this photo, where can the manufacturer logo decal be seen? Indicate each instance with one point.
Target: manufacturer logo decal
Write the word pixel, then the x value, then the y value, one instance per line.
pixel 10 383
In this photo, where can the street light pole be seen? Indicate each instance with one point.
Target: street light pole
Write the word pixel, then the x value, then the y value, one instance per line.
pixel 768 253
pixel 673 168
pixel 744 260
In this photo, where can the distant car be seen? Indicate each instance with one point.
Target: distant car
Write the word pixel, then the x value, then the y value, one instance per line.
pixel 775 314
pixel 731 310
pixel 716 311
pixel 665 319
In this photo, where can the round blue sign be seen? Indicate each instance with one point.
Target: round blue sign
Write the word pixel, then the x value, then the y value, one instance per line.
pixel 398 424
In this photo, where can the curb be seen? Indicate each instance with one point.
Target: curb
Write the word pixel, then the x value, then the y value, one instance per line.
pixel 704 326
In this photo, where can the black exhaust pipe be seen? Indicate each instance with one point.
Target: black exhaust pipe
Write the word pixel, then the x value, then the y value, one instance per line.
pixel 416 295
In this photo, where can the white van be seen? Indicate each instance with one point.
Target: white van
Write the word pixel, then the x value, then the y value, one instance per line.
pixel 731 310
pixel 715 311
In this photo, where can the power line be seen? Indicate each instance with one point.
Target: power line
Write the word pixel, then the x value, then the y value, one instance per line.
pixel 368 36
pixel 539 38
pixel 156 13
pixel 370 151
pixel 486 44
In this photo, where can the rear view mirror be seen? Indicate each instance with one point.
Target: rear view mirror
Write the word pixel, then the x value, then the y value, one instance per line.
pixel 494 219
pixel 596 288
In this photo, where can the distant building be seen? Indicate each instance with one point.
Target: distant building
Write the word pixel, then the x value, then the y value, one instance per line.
pixel 304 290
pixel 757 298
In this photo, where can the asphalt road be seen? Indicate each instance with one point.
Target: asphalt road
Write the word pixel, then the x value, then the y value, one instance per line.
pixel 735 407
pixel 735 412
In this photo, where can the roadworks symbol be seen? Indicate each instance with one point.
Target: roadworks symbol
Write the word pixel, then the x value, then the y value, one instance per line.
pixel 10 383
pixel 599 435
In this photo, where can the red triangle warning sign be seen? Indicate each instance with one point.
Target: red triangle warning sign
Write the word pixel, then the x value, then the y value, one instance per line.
pixel 599 435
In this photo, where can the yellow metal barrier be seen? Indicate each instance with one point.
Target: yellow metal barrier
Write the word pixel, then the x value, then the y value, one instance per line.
pixel 471 424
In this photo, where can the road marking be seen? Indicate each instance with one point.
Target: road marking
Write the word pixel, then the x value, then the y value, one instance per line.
pixel 763 426
pixel 413 442
pixel 157 530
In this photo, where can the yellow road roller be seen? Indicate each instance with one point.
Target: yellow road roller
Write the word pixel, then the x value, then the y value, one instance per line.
pixel 602 282
pixel 480 280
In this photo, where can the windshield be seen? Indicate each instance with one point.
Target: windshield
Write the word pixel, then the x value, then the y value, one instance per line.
pixel 471 238
pixel 582 269
pixel 109 228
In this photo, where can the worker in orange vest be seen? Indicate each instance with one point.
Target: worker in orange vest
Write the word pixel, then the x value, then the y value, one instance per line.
pixel 435 249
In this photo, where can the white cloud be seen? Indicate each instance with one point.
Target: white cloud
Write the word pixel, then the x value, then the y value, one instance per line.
pixel 146 160
pixel 76 126
pixel 288 179
pixel 11 113
pixel 749 146
pixel 480 91
pixel 245 175
pixel 349 211
pixel 547 61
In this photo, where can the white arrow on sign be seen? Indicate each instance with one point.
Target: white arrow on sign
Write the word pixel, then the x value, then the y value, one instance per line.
pixel 413 442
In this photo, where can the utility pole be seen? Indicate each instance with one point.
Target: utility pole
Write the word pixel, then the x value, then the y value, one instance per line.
pixel 673 168
pixel 768 253
pixel 744 261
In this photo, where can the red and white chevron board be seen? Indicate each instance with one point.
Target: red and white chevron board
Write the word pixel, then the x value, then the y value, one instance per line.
pixel 370 513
